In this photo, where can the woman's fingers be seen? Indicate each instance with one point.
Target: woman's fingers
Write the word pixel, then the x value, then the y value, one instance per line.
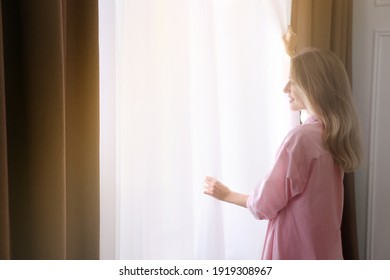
pixel 208 185
pixel 210 180
pixel 214 188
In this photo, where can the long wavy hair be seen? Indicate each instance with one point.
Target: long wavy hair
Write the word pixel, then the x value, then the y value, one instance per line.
pixel 323 84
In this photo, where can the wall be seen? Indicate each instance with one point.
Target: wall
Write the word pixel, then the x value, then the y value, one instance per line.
pixel 371 84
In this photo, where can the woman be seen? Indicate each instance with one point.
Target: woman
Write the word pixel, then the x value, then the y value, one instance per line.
pixel 302 196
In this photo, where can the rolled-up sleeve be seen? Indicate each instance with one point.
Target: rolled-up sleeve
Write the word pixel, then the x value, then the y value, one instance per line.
pixel 286 179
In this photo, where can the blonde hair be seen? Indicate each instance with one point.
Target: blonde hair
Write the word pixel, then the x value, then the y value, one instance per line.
pixel 323 84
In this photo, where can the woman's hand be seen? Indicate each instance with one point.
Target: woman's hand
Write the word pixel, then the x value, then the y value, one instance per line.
pixel 216 189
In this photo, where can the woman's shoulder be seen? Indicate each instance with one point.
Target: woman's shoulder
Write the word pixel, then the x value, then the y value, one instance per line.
pixel 305 138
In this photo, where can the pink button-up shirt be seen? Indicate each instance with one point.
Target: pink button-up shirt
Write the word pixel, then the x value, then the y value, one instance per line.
pixel 302 197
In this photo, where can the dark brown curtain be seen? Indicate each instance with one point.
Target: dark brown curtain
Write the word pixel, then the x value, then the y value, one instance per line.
pixel 4 205
pixel 49 192
pixel 327 24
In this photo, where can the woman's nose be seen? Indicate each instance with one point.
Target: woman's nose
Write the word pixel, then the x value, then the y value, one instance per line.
pixel 287 87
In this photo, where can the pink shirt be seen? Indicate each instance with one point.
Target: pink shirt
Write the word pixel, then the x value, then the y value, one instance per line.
pixel 302 197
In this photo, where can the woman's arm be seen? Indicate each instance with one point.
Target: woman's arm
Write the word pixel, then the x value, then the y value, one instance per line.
pixel 216 189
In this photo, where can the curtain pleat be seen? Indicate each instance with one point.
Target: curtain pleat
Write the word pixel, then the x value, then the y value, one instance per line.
pixel 4 209
pixel 52 126
pixel 82 128
pixel 327 24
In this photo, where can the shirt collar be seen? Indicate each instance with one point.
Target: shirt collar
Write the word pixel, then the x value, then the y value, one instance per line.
pixel 311 119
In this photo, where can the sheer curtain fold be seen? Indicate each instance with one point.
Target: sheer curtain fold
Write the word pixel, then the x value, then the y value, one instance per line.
pixel 51 129
pixel 199 92
pixel 327 24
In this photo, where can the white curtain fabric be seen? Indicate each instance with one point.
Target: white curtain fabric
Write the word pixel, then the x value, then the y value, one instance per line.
pixel 193 88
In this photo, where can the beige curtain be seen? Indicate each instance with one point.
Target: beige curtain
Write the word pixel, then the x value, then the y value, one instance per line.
pixel 49 141
pixel 324 24
pixel 327 24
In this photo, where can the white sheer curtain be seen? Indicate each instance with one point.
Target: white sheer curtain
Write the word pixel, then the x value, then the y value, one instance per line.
pixel 188 89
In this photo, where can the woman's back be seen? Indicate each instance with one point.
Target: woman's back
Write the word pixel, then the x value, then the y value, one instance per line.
pixel 302 196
